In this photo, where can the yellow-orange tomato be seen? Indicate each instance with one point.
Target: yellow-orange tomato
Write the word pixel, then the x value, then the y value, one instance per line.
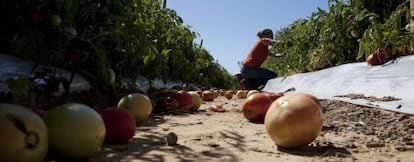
pixel 241 93
pixel 138 104
pixel 228 94
pixel 294 120
pixel 208 95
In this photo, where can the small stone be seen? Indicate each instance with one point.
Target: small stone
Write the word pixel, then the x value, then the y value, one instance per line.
pixel 171 139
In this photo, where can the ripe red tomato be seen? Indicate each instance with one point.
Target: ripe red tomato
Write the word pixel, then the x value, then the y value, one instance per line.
pixel 185 99
pixel 34 17
pixel 119 125
pixel 383 55
pixel 371 60
pixel 380 56
pixel 254 108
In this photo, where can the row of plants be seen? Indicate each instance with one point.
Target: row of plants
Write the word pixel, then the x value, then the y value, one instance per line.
pixel 94 38
pixel 348 32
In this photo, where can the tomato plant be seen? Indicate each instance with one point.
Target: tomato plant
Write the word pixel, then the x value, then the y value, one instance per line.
pixel 134 38
pixel 344 33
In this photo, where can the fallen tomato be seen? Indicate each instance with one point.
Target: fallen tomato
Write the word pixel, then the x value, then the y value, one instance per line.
pixel 228 94
pixel 185 99
pixel 196 100
pixel 76 131
pixel 23 134
pixel 216 108
pixel 119 125
pixel 138 104
pixel 254 108
pixel 294 120
pixel 208 95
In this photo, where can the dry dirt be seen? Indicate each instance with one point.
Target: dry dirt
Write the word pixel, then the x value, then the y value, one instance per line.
pixel 350 133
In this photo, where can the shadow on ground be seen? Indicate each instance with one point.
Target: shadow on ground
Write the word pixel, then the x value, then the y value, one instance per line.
pixel 318 151
pixel 153 148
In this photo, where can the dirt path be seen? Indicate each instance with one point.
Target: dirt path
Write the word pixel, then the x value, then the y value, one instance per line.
pixel 350 133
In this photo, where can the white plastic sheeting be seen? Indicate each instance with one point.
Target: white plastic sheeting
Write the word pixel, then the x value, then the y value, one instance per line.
pixel 394 79
pixel 12 67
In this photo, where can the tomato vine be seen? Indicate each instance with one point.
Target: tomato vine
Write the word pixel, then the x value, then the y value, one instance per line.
pixel 132 37
pixel 348 32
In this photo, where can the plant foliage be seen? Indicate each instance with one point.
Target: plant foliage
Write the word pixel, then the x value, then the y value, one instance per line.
pixel 132 37
pixel 348 32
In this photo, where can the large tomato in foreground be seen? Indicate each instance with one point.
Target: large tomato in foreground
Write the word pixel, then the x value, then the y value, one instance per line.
pixel 23 134
pixel 294 120
pixel 254 108
pixel 76 131
pixel 119 125
pixel 138 104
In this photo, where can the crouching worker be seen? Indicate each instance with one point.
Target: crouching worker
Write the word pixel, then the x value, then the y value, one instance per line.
pixel 254 76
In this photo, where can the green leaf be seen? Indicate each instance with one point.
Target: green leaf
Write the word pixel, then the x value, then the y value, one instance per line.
pixel 18 85
pixel 72 8
pixel 147 59
pixel 165 52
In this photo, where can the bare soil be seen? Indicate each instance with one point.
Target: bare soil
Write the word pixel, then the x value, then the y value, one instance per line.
pixel 350 133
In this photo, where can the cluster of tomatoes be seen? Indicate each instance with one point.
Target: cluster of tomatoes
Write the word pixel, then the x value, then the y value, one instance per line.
pixel 380 56
pixel 291 121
